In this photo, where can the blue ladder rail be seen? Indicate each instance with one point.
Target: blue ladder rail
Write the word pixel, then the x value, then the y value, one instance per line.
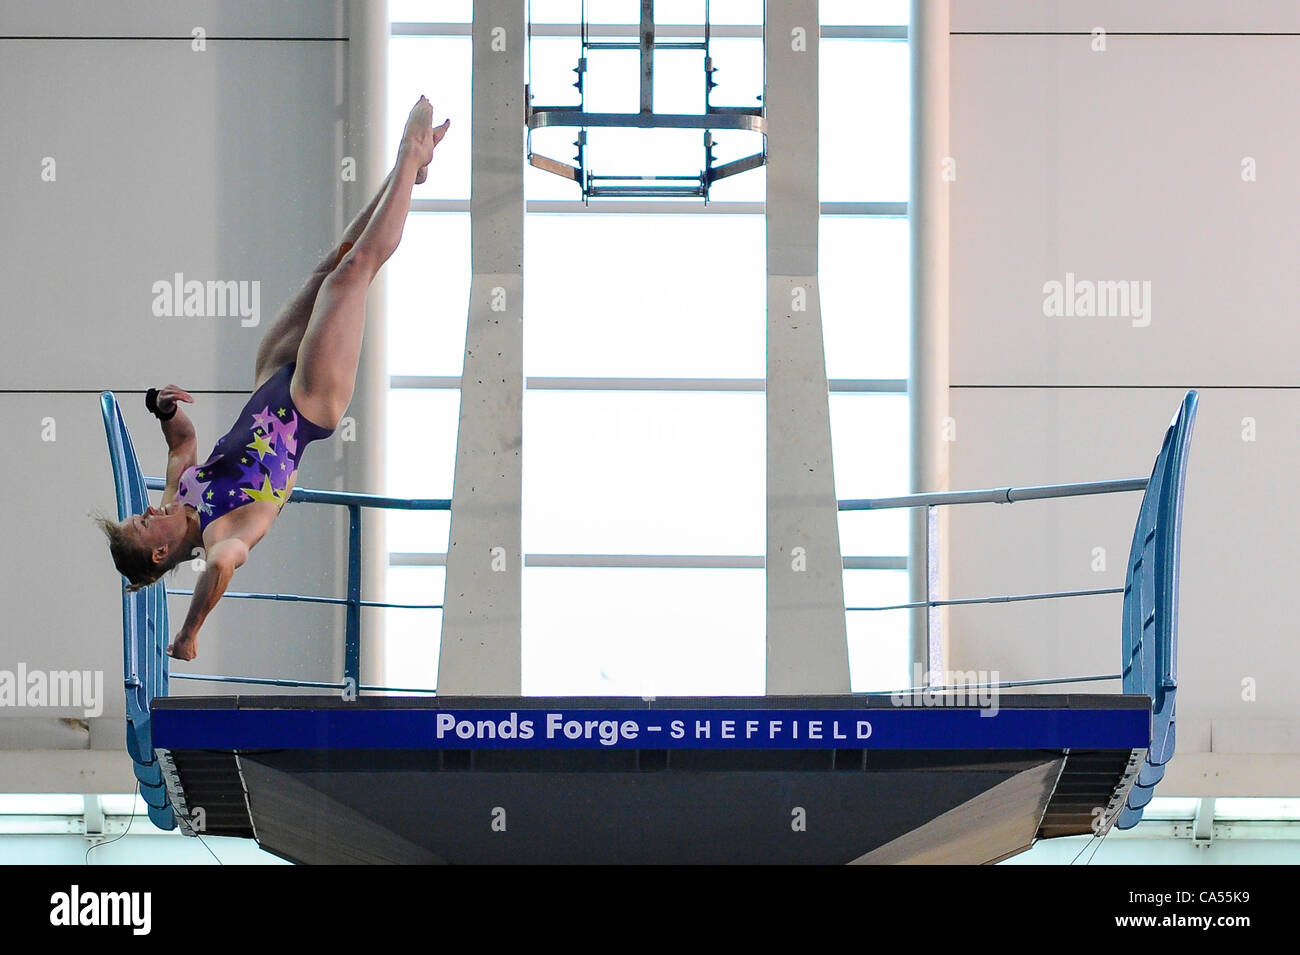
pixel 144 627
pixel 1150 629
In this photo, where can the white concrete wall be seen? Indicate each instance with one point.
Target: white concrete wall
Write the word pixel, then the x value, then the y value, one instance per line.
pixel 1127 164
pixel 221 164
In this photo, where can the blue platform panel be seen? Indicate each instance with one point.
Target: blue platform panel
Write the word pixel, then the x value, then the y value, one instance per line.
pixel 752 723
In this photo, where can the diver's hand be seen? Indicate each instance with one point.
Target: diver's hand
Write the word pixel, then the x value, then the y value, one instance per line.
pixel 168 395
pixel 185 646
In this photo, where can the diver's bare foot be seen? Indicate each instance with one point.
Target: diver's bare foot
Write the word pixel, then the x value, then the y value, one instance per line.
pixel 421 137
pixel 417 137
pixel 440 131
pixel 184 648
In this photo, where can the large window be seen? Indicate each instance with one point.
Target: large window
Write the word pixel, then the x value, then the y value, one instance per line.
pixel 644 506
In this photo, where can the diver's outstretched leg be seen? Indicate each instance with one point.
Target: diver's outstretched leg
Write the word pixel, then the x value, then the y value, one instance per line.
pixel 331 347
pixel 280 343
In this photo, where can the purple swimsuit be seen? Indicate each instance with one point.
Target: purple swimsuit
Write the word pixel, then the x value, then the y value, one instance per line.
pixel 257 458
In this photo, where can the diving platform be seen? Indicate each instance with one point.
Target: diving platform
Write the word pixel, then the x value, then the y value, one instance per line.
pixel 753 780
pixel 361 774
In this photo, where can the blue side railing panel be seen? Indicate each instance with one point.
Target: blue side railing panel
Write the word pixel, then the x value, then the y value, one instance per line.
pixel 1149 633
pixel 144 626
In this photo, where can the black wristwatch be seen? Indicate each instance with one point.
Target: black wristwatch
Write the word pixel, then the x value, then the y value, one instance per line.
pixel 151 402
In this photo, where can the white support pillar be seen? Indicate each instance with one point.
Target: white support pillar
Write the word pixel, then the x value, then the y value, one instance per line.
pixel 365 140
pixel 480 653
pixel 928 386
pixel 807 648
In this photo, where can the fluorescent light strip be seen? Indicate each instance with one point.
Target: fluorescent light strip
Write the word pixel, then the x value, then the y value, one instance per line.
pixel 41 804
pixel 1253 808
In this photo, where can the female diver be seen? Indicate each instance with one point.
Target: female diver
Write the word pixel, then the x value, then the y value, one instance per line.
pixel 303 380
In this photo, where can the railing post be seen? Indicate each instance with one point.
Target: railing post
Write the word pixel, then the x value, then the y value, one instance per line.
pixel 352 631
pixel 933 627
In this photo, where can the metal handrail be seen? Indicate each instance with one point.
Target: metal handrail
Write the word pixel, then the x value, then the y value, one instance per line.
pixel 311 599
pixel 354 502
pixel 933 500
pixel 996 685
pixel 306 684
pixel 1001 495
pixel 303 495
pixel 1001 599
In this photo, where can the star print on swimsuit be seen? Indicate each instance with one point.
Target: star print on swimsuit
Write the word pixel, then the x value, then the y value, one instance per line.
pixel 266 492
pixel 192 492
pixel 262 444
pixel 287 432
pixel 264 419
pixel 257 460
pixel 250 474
